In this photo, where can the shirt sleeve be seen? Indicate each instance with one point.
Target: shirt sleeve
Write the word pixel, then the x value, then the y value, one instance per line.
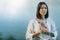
pixel 29 31
pixel 54 31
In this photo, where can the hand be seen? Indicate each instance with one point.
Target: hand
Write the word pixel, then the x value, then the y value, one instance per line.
pixel 36 33
pixel 44 29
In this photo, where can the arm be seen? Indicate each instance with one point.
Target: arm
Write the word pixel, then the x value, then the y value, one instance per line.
pixel 54 31
pixel 29 33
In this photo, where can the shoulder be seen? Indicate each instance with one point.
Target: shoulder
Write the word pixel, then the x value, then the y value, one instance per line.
pixel 50 20
pixel 31 21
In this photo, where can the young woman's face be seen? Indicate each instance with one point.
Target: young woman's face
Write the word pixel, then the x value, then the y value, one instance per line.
pixel 43 10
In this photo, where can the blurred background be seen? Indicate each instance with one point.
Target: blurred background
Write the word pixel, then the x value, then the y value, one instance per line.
pixel 15 15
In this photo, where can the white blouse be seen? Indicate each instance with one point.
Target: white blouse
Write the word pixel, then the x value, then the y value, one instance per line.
pixel 33 25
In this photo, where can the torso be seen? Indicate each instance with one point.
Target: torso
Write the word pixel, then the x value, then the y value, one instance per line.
pixel 36 25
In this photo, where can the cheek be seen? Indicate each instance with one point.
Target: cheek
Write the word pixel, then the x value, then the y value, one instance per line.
pixel 41 11
pixel 45 11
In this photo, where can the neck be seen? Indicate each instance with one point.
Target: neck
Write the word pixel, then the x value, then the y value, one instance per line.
pixel 43 17
pixel 39 20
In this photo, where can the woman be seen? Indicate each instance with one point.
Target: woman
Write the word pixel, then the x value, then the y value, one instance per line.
pixel 41 28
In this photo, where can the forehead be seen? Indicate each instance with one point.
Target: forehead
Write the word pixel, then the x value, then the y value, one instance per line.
pixel 43 5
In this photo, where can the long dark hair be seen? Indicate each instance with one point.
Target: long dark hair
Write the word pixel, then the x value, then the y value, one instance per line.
pixel 38 15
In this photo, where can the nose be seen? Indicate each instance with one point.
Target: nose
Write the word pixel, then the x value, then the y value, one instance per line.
pixel 44 9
